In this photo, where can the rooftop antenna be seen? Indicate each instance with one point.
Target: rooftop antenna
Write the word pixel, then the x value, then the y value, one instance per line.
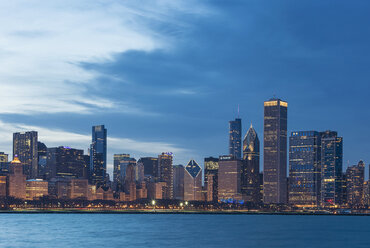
pixel 238 111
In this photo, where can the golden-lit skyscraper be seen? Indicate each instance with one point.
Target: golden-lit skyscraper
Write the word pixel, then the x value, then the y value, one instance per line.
pixel 251 167
pixel 193 182
pixel 25 148
pixel 211 178
pixel 275 151
pixel 166 173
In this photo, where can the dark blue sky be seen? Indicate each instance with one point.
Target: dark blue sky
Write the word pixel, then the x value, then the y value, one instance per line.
pixel 183 92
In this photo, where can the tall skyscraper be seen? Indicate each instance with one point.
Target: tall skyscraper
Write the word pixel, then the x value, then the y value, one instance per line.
pixel 192 182
pixel 98 155
pixel 66 162
pixel 331 168
pixel 235 138
pixel 229 173
pixel 355 178
pixel 275 151
pixel 42 158
pixel 178 182
pixel 211 178
pixel 304 168
pixel 251 167
pixel 25 148
pixel 166 174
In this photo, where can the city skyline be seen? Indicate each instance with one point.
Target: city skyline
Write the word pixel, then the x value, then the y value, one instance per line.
pixel 66 87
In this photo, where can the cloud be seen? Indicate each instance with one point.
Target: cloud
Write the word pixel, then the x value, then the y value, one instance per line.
pixel 43 44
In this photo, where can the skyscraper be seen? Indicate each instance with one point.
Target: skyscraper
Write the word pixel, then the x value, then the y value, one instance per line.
pixel 117 170
pixel 251 166
pixel 66 162
pixel 166 174
pixel 150 166
pixel 235 138
pixel 331 168
pixel 355 177
pixel 192 182
pixel 275 151
pixel 42 158
pixel 98 155
pixel 229 173
pixel 178 182
pixel 17 179
pixel 304 168
pixel 211 178
pixel 25 148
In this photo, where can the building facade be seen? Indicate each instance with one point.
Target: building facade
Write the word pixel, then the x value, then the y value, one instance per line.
pixel 166 174
pixel 304 168
pixel 178 182
pixel 235 138
pixel 193 182
pixel 17 180
pixel 275 151
pixel 211 178
pixel 355 178
pixel 98 155
pixel 251 167
pixel 229 175
pixel 25 148
pixel 331 169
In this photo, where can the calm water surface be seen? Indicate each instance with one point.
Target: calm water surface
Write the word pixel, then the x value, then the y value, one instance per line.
pixel 136 230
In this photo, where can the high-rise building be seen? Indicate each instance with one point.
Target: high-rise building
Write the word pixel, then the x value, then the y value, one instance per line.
pixel 304 168
pixel 166 174
pixel 355 177
pixel 178 182
pixel 4 164
pixel 36 188
pixel 235 138
pixel 25 148
pixel 117 172
pixel 17 180
pixel 3 157
pixel 64 161
pixel 42 158
pixel 150 166
pixel 211 178
pixel 331 169
pixel 275 151
pixel 251 167
pixel 192 182
pixel 229 173
pixel 98 155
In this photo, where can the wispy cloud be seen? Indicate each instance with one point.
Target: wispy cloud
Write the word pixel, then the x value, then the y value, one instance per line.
pixel 43 43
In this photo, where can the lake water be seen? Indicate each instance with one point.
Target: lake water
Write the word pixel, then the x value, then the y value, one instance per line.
pixel 146 230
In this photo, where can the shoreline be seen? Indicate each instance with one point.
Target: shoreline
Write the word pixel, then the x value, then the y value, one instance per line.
pixel 166 212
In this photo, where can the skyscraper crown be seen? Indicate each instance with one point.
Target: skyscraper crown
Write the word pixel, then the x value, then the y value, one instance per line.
pixel 193 168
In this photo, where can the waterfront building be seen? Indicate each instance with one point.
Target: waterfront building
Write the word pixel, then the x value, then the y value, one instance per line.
pixel 211 178
pixel 166 174
pixel 331 169
pixel 25 148
pixel 355 178
pixel 235 138
pixel 78 188
pixel 229 173
pixel 193 182
pixel 17 180
pixel 3 186
pixel 304 168
pixel 250 187
pixel 36 188
pixel 275 151
pixel 156 190
pixel 178 182
pixel 98 155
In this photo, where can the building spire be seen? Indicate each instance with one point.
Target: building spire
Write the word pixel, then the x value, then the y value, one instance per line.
pixel 251 125
pixel 238 111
